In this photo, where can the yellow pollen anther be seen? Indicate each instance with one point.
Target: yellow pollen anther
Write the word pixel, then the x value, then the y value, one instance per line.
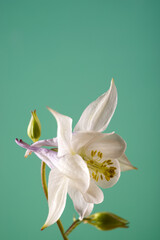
pixel 107 178
pixel 100 170
pixel 95 152
pixel 97 178
pixel 101 177
pixel 109 162
pixel 92 153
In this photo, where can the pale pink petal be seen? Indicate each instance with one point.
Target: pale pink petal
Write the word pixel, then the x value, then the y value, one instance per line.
pixel 53 142
pixel 46 155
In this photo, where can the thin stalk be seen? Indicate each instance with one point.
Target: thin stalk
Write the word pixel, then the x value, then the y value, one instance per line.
pixel 43 179
pixel 45 189
pixel 59 223
pixel 72 227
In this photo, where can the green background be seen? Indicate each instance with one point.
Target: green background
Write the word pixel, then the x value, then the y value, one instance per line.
pixel 63 54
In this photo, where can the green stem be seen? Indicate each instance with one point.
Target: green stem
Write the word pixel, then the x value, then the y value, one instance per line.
pixel 44 185
pixel 72 227
pixel 59 223
pixel 43 179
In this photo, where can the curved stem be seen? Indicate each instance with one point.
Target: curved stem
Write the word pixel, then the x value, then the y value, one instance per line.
pixel 59 223
pixel 43 179
pixel 45 189
pixel 72 227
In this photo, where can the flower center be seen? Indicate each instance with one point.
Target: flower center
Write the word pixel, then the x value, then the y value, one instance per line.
pixel 99 169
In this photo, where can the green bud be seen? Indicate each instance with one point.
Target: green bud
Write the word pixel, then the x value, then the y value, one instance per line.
pixel 106 221
pixel 34 127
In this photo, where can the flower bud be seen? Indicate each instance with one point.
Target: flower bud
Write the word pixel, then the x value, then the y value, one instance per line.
pixel 34 127
pixel 106 221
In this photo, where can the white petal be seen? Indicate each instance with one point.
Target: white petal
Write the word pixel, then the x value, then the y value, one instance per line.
pixel 125 164
pixel 57 192
pixel 74 167
pixel 80 139
pixel 104 182
pixel 45 159
pixel 53 142
pixel 110 145
pixel 94 194
pixel 81 206
pixel 98 114
pixel 64 132
pixel 89 209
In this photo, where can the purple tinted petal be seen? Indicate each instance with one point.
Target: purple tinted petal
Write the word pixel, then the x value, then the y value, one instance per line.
pixel 53 142
pixel 46 155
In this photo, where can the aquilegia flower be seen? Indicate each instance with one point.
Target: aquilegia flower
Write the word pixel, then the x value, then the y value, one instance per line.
pixel 95 117
pixel 86 158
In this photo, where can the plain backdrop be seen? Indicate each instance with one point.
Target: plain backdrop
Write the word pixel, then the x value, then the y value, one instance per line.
pixel 63 54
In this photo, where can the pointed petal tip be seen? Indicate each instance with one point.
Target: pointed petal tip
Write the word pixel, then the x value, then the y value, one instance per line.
pixel 132 168
pixel 43 227
pixel 52 111
pixel 112 83
pixel 18 141
pixel 135 168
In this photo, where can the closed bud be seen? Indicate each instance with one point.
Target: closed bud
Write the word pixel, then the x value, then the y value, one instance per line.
pixel 106 221
pixel 34 127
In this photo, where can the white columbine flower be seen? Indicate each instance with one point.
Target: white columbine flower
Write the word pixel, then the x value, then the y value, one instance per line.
pixel 86 158
pixel 95 117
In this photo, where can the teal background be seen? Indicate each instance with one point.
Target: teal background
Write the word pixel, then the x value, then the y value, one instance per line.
pixel 63 54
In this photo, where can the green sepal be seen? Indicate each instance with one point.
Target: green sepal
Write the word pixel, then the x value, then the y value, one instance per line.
pixel 106 221
pixel 34 127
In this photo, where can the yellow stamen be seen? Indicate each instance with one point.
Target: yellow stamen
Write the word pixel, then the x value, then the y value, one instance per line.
pixel 92 153
pixel 100 170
